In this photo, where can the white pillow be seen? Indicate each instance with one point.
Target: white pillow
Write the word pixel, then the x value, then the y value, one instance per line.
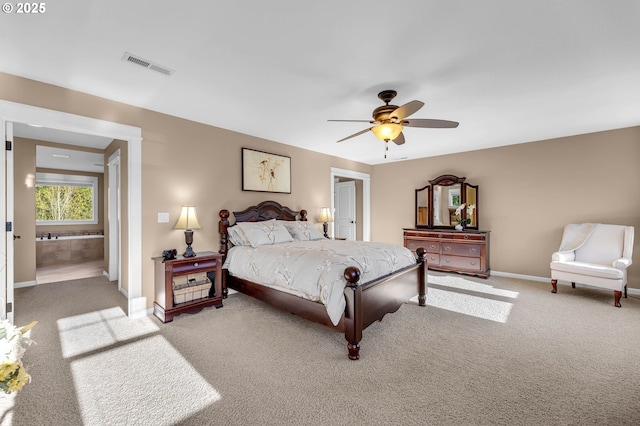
pixel 303 231
pixel 237 237
pixel 264 233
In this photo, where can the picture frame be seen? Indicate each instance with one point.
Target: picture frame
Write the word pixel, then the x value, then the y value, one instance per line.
pixel 265 172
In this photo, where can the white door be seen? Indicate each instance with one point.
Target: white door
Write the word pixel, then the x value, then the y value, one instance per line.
pixel 345 215
pixel 6 216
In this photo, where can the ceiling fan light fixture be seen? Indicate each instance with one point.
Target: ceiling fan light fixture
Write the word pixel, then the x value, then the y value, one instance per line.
pixel 387 131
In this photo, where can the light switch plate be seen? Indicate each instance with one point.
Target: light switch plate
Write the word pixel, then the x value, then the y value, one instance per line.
pixel 163 217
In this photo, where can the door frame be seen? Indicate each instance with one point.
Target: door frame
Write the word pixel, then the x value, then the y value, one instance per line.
pixel 113 209
pixel 366 196
pixel 21 113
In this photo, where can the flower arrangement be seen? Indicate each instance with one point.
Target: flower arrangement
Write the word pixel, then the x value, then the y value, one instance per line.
pixel 466 220
pixel 13 340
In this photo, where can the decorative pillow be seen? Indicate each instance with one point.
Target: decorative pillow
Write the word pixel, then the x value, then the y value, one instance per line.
pixel 303 231
pixel 264 233
pixel 237 237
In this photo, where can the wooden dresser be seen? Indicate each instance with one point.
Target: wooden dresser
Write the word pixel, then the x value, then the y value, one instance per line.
pixel 465 252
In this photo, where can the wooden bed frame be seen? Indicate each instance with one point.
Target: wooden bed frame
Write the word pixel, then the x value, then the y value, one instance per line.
pixel 366 302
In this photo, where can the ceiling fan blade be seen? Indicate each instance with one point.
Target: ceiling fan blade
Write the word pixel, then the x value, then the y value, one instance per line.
pixel 356 134
pixel 400 139
pixel 354 121
pixel 406 110
pixel 430 123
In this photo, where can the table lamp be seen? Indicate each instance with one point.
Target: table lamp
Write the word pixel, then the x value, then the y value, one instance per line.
pixel 325 217
pixel 188 221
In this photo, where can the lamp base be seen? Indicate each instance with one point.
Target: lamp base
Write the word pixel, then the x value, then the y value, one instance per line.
pixel 188 239
pixel 325 228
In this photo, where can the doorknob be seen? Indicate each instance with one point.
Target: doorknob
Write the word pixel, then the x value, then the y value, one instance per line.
pixel 15 237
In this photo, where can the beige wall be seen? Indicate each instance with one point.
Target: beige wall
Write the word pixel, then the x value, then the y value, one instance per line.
pixel 24 164
pixel 184 162
pixel 527 193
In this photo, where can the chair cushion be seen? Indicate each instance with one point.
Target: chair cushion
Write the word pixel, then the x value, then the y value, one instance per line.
pixel 604 245
pixel 591 269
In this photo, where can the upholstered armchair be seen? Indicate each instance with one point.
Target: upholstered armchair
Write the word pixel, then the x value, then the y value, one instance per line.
pixel 594 254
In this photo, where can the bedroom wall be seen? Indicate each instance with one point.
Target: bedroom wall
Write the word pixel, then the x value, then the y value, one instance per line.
pixel 527 193
pixel 184 162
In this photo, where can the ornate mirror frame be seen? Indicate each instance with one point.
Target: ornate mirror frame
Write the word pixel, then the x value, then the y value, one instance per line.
pixel 437 203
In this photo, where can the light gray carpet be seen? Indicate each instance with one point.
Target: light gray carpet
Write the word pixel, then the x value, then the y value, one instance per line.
pixel 497 351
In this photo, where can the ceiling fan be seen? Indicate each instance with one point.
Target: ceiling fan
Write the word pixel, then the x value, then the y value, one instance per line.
pixel 389 120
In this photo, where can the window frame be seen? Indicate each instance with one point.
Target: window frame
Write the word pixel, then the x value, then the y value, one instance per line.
pixel 60 179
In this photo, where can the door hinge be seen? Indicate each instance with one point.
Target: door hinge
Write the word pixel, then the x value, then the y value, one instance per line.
pixel 9 226
pixel 8 145
pixel 9 307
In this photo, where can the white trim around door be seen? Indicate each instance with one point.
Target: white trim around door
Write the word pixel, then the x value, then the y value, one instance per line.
pixel 20 113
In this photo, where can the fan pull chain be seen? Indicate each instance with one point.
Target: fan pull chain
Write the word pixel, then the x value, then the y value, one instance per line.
pixel 386 148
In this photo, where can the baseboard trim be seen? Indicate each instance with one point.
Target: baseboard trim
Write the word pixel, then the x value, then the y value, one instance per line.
pixel 633 291
pixel 25 284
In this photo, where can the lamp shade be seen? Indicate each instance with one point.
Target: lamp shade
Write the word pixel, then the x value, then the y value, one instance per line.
pixel 325 215
pixel 188 219
pixel 387 131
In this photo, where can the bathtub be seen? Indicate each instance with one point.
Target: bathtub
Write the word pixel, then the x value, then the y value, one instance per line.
pixel 69 237
pixel 69 249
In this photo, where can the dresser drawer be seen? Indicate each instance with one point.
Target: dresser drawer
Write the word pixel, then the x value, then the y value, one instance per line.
pixel 430 246
pixel 460 249
pixel 433 259
pixel 468 263
pixel 467 236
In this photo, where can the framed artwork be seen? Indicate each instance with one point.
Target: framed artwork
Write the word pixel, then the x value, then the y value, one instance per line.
pixel 265 172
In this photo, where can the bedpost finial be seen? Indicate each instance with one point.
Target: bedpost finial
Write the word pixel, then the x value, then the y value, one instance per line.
pixel 224 214
pixel 352 275
pixel 303 215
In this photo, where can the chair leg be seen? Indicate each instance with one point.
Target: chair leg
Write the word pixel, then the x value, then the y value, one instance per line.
pixel 625 291
pixel 573 285
pixel 616 296
pixel 554 285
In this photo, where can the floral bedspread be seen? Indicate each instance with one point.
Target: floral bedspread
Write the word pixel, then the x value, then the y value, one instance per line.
pixel 314 269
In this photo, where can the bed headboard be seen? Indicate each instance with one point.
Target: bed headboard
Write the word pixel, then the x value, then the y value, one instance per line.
pixel 266 210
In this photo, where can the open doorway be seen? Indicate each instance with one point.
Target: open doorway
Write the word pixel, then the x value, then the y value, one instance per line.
pixel 131 137
pixel 66 205
pixel 360 198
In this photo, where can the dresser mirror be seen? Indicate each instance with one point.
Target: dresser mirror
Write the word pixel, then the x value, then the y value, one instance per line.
pixel 438 203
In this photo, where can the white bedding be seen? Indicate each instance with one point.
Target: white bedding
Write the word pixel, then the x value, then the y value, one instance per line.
pixel 314 269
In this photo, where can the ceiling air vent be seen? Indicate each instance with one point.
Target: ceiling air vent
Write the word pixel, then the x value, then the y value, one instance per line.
pixel 146 64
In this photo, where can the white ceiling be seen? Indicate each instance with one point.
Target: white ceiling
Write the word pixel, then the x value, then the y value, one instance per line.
pixel 60 158
pixel 69 159
pixel 508 71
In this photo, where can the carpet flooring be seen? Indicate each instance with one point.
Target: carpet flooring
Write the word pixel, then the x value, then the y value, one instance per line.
pixel 500 351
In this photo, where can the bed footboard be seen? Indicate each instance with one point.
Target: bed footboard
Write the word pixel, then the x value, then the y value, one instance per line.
pixel 371 301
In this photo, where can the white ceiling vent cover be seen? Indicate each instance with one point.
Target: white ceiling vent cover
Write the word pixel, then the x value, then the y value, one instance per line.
pixel 128 57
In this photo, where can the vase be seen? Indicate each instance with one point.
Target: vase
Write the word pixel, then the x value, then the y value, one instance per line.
pixel 459 227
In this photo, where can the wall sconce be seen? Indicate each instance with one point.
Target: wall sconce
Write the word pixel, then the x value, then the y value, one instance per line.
pixel 325 217
pixel 188 221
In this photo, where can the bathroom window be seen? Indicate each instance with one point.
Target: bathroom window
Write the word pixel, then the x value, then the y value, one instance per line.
pixel 66 199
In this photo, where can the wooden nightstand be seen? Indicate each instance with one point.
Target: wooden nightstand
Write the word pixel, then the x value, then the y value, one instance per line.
pixel 187 284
